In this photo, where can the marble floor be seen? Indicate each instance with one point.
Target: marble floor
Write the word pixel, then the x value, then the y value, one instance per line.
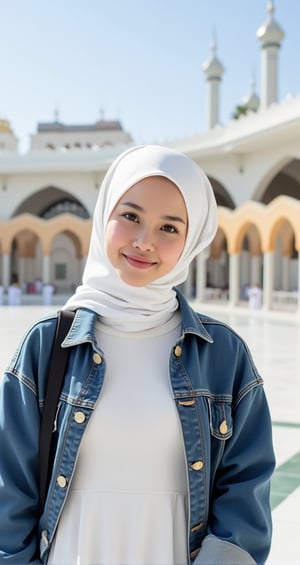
pixel 274 342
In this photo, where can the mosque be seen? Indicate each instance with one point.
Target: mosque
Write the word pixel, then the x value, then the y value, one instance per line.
pixel 253 162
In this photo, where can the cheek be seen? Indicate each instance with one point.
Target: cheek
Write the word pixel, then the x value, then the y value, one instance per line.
pixel 172 252
pixel 114 236
pixel 178 252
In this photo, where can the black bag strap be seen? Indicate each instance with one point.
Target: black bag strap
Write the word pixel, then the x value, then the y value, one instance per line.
pixel 58 363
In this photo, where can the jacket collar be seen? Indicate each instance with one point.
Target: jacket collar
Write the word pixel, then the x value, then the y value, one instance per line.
pixel 83 326
pixel 191 322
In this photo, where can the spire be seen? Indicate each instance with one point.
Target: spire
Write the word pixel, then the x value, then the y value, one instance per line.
pixel 213 69
pixel 251 100
pixel 101 114
pixel 56 113
pixel 270 36
pixel 270 8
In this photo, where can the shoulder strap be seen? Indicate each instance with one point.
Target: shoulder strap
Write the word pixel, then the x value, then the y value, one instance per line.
pixel 58 363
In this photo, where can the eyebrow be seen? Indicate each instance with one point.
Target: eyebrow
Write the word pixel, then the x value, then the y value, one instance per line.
pixel 164 217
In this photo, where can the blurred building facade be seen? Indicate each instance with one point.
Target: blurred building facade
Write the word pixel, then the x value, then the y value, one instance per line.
pixel 48 194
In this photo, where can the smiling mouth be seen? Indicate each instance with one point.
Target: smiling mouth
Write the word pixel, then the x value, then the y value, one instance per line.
pixel 139 262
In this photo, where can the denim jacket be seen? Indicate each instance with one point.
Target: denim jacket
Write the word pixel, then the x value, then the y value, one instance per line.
pixel 225 423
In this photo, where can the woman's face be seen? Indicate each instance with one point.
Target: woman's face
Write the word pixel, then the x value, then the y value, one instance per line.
pixel 146 231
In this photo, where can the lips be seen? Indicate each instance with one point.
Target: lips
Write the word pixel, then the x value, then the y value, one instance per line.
pixel 139 262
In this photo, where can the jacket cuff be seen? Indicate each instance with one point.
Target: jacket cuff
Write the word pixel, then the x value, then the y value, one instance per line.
pixel 215 551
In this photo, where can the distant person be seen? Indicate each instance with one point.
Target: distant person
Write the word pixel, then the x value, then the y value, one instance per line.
pixel 255 297
pixel 48 290
pixel 164 439
pixel 38 286
pixel 14 295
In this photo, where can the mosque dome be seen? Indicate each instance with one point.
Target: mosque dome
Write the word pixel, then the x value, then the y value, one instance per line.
pixel 5 126
pixel 270 32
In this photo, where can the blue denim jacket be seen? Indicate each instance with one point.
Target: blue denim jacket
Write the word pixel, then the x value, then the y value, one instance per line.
pixel 225 423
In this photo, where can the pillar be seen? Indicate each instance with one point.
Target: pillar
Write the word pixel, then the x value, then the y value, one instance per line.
pixel 30 269
pixel 46 269
pixel 188 283
pixel 201 262
pixel 5 270
pixel 268 279
pixel 285 279
pixel 21 269
pixel 298 293
pixel 214 273
pixel 234 290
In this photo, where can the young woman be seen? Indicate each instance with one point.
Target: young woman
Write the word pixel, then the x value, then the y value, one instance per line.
pixel 164 451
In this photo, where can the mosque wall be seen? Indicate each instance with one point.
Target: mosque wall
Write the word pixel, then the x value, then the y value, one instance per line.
pixel 253 164
pixel 22 192
pixel 56 248
pixel 250 231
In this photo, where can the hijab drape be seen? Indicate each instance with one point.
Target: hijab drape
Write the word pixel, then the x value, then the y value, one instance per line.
pixel 137 308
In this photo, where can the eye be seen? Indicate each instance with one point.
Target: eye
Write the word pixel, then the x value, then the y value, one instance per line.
pixel 170 229
pixel 130 216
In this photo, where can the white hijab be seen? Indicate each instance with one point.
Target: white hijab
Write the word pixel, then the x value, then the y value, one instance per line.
pixel 131 308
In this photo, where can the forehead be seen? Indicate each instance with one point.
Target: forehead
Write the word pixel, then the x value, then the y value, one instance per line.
pixel 154 187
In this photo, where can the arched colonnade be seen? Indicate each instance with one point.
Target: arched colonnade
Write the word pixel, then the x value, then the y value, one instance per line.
pixel 28 245
pixel 255 243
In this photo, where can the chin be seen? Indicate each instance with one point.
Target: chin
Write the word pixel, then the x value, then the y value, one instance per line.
pixel 133 282
pixel 136 284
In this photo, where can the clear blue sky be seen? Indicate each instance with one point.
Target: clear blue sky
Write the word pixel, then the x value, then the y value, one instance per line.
pixel 139 60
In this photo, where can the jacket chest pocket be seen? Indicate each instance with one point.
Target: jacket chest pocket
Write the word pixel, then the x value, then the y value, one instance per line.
pixel 220 419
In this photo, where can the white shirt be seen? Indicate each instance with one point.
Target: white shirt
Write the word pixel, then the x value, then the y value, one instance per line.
pixel 127 500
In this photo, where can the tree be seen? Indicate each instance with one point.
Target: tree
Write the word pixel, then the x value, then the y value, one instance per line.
pixel 240 110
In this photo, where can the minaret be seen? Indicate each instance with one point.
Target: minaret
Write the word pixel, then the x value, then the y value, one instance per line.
pixel 213 70
pixel 270 35
pixel 251 101
pixel 56 113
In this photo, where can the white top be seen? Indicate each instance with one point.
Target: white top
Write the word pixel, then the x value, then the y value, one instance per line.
pixel 128 499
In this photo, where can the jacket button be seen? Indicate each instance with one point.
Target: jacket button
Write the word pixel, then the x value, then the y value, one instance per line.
pixel 44 538
pixel 197 465
pixel 194 553
pixel 79 417
pixel 186 402
pixel 178 351
pixel 223 429
pixel 197 527
pixel 61 481
pixel 97 358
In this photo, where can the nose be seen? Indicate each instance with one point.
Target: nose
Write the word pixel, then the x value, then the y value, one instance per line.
pixel 143 241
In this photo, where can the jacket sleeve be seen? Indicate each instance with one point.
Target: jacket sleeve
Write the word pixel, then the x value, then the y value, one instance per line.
pixel 240 525
pixel 215 550
pixel 19 449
